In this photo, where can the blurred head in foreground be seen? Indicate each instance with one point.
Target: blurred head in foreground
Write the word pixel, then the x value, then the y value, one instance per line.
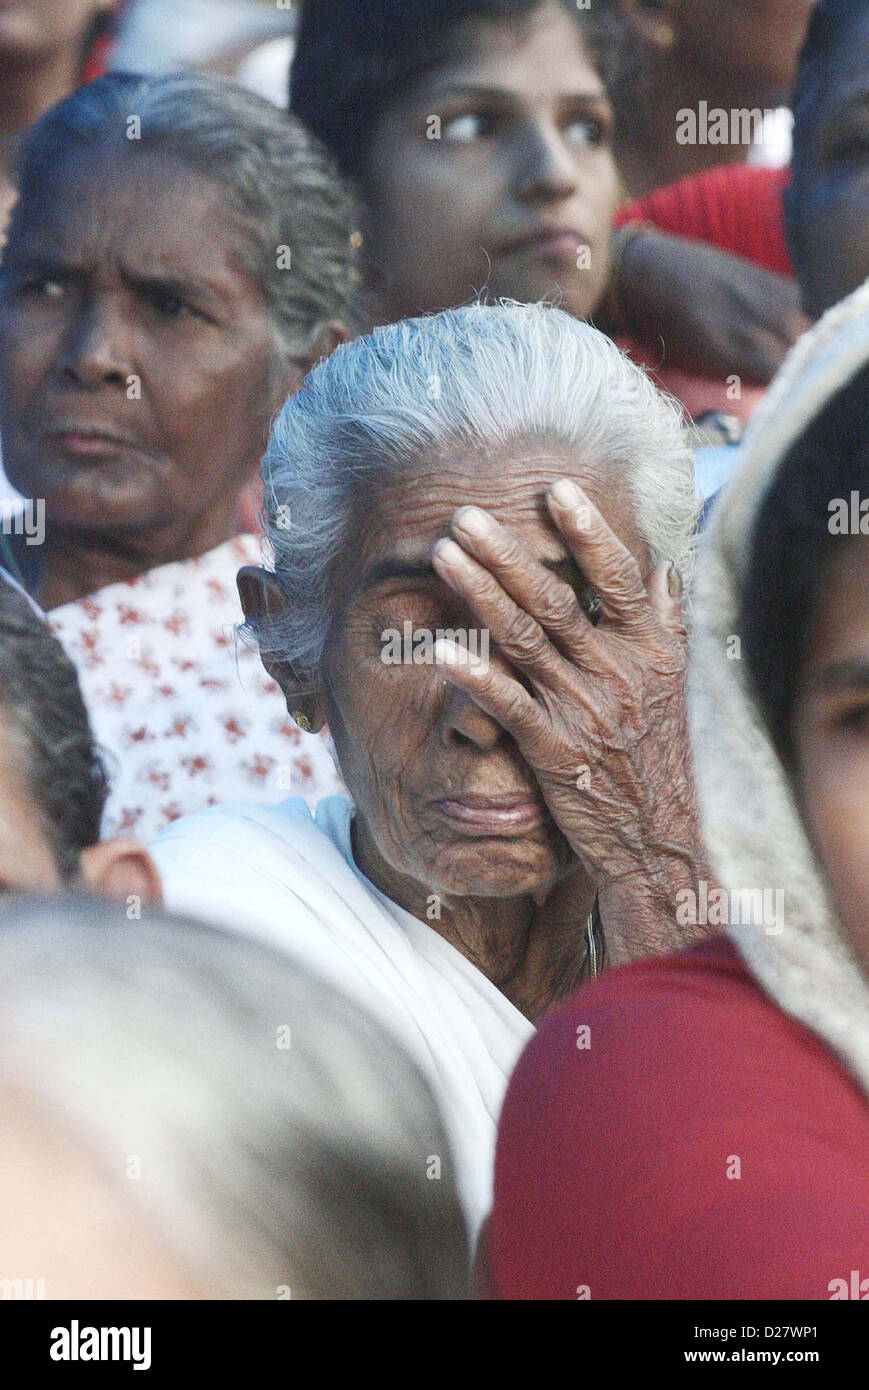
pixel 184 1114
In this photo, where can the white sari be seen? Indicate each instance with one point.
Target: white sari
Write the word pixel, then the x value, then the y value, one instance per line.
pixel 290 878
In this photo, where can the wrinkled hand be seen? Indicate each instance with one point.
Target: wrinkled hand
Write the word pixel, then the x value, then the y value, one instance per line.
pixel 598 712
pixel 716 314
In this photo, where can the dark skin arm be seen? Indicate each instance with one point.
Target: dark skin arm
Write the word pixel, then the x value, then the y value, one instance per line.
pixel 705 310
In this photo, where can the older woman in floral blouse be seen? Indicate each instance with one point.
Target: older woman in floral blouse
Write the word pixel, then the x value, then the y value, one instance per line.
pixel 169 277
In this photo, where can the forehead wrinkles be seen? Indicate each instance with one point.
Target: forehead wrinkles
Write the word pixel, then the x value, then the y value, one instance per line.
pixel 509 486
pixel 406 513
pixel 126 206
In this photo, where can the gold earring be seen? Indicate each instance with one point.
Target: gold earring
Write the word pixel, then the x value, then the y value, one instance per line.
pixel 301 719
pixel 665 35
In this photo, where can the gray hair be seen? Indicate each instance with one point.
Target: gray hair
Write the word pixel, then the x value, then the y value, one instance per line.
pixel 279 1140
pixel 275 177
pixel 478 379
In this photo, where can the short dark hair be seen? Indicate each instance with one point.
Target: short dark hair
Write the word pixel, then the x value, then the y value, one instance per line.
pixel 791 547
pixel 354 57
pixel 45 715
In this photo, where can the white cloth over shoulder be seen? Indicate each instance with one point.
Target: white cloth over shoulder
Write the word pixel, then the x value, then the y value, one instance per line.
pixel 290 879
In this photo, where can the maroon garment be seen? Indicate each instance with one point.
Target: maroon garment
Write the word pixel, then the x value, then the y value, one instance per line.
pixel 612 1165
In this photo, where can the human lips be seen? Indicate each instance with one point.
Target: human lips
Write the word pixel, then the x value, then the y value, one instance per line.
pixel 515 812
pixel 549 241
pixel 89 440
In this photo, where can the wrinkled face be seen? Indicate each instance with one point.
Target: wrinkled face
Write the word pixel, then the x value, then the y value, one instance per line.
pixel 757 41
pixel 30 29
pixel 829 201
pixel 137 361
pixel 411 746
pixel 517 190
pixel 831 731
pixel 26 860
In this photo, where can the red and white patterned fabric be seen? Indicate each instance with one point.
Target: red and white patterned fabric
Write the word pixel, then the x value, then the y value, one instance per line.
pixel 182 709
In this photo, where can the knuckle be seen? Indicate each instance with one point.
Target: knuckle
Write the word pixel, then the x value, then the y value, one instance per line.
pixel 562 608
pixel 624 574
pixel 523 635
pixel 515 707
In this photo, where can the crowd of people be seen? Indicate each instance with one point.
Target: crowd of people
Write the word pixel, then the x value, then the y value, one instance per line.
pixel 434 653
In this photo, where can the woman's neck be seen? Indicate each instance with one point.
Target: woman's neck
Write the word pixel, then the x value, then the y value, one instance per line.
pixel 532 950
pixel 75 565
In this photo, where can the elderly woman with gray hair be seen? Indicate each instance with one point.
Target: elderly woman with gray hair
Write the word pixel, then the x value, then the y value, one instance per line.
pixel 179 255
pixel 481 594
pixel 185 1114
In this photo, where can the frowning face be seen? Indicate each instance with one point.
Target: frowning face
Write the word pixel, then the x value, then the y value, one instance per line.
pixel 137 358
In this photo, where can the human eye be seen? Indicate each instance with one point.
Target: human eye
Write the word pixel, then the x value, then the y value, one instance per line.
pixel 855 719
pixel 466 128
pixel 169 304
pixel 42 286
pixel 425 607
pixel 847 138
pixel 584 131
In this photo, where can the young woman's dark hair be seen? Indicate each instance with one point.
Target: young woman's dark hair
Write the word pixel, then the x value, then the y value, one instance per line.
pixel 792 546
pixel 353 57
pixel 45 721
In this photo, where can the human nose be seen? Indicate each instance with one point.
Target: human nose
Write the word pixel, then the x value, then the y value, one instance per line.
pixel 545 170
pixel 464 722
pixel 97 350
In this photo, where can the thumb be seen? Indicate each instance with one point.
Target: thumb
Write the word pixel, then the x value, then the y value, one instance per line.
pixel 665 590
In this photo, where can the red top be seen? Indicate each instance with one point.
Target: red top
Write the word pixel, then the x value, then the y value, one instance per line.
pixel 737 208
pixel 703 1146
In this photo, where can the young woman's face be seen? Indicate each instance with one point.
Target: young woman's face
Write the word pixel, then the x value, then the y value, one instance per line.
pixel 495 173
pixel 831 731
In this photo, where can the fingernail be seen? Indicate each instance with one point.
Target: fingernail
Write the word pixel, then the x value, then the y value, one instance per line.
pixel 449 553
pixel 475 522
pixel 566 493
pixel 674 581
pixel 446 653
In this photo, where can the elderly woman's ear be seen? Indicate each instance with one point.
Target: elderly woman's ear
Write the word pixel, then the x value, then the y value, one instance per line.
pixel 264 603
